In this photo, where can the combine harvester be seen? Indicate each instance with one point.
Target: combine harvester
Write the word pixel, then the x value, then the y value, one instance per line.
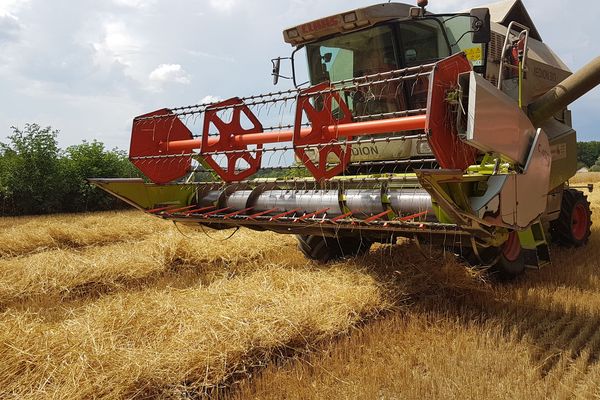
pixel 449 129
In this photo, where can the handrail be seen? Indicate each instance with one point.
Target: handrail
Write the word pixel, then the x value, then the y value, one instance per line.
pixel 505 47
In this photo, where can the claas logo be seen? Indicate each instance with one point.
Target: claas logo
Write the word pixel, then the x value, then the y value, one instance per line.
pixel 319 25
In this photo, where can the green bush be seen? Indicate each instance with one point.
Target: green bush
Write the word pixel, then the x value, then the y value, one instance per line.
pixel 37 177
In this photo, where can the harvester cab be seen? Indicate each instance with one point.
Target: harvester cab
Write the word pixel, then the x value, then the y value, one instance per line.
pixel 449 128
pixel 379 39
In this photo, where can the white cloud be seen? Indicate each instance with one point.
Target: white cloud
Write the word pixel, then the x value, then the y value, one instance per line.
pixel 117 45
pixel 165 73
pixel 9 27
pixel 134 3
pixel 225 6
pixel 198 53
pixel 210 99
pixel 11 7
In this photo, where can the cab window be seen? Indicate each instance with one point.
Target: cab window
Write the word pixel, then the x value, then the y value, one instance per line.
pixel 422 42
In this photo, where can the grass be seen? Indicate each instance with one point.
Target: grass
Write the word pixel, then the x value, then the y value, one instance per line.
pixel 120 305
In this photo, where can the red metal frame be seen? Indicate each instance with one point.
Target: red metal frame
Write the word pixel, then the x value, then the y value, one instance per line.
pixel 233 214
pixel 155 210
pixel 148 138
pixel 262 213
pixel 220 210
pixel 168 135
pixel 179 209
pixel 285 214
pixel 225 142
pixel 321 119
pixel 306 216
pixel 445 144
pixel 197 210
pixel 340 217
pixel 413 216
pixel 411 123
pixel 378 216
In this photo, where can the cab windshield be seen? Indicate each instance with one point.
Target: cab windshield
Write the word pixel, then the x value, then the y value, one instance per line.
pixel 376 50
pixel 379 49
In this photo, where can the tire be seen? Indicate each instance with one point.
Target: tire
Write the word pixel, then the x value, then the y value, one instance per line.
pixel 324 249
pixel 511 262
pixel 505 262
pixel 572 228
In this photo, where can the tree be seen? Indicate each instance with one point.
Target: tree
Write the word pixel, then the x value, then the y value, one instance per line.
pixel 588 152
pixel 596 166
pixel 36 177
pixel 31 177
pixel 92 160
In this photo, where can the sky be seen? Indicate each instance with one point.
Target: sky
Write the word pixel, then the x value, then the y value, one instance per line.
pixel 87 67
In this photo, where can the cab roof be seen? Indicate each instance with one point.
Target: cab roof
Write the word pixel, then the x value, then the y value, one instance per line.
pixel 503 12
pixel 345 22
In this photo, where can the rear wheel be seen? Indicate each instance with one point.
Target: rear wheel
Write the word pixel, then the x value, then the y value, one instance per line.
pixel 324 248
pixel 572 228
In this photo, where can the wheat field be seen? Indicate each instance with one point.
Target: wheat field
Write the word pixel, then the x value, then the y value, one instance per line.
pixel 124 305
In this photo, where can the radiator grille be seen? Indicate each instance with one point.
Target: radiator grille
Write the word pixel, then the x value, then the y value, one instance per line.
pixel 496 44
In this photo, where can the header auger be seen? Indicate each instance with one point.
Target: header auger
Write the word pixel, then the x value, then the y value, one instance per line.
pixel 451 128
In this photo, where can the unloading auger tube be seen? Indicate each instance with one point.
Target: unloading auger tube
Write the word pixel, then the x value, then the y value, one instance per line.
pixel 294 162
pixel 566 92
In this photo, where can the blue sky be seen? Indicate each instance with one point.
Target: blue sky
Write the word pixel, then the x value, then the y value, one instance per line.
pixel 88 67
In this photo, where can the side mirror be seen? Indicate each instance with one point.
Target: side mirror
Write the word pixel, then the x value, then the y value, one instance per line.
pixel 481 25
pixel 276 67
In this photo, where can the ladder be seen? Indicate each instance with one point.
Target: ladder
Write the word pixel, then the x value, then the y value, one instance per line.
pixel 536 251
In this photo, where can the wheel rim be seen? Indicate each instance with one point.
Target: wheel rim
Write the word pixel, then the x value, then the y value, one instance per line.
pixel 579 221
pixel 512 247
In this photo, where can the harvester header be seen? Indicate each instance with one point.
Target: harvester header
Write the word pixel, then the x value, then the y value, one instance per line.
pixel 437 127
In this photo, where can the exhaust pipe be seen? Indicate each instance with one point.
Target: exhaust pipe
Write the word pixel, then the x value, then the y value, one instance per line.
pixel 565 92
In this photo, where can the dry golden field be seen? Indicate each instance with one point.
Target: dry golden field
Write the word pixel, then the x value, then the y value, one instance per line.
pixel 124 305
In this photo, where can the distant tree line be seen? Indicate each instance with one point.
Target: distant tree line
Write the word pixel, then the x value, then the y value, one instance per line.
pixel 37 177
pixel 588 155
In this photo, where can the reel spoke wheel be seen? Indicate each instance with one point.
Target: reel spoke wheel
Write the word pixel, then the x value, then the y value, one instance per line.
pixel 572 228
pixel 324 249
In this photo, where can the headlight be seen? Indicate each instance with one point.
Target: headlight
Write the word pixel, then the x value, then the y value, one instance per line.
pixel 293 33
pixel 423 147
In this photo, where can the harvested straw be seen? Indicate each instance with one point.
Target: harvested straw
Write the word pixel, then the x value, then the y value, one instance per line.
pixel 169 314
pixel 36 234
pixel 156 343
pixel 62 273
